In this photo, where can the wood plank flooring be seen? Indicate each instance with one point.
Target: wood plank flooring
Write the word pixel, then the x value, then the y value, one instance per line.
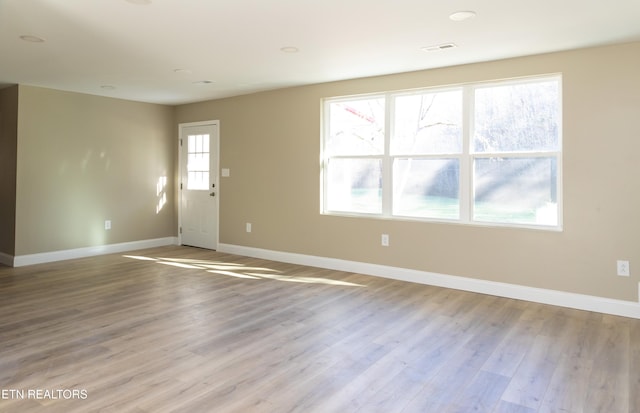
pixel 179 329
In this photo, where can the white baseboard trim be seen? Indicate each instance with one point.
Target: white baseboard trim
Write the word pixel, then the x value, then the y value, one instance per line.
pixel 30 259
pixel 6 259
pixel 539 295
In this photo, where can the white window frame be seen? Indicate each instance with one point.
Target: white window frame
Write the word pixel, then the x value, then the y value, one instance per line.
pixel 466 157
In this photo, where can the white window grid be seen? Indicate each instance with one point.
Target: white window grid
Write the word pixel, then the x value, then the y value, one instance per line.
pixel 466 158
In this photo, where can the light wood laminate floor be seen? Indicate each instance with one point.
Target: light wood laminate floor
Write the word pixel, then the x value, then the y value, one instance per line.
pixel 178 329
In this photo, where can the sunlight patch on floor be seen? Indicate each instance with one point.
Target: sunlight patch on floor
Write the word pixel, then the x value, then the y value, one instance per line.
pixel 240 271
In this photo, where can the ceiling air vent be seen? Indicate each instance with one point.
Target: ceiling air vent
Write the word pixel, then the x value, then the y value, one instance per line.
pixel 439 47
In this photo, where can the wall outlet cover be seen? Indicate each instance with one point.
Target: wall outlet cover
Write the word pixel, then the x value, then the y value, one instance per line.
pixel 623 268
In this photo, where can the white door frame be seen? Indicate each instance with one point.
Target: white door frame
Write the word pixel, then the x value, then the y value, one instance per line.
pixel 216 149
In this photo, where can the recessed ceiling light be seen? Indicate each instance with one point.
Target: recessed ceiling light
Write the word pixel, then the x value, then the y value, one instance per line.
pixel 182 71
pixel 439 47
pixel 203 82
pixel 107 87
pixel 462 15
pixel 32 39
pixel 289 49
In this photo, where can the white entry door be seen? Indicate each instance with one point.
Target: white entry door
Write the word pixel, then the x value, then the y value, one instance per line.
pixel 198 212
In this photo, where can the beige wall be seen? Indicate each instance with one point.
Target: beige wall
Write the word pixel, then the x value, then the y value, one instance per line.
pixel 83 159
pixel 271 144
pixel 8 144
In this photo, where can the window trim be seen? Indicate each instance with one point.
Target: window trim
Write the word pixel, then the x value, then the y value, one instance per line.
pixel 467 156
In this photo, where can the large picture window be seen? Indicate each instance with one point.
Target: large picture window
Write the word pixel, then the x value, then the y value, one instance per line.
pixel 485 153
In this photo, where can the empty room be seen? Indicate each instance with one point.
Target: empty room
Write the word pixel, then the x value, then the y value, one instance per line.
pixel 276 206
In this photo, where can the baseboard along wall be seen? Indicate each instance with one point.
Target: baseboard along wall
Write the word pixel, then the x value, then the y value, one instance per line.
pixel 539 295
pixel 44 257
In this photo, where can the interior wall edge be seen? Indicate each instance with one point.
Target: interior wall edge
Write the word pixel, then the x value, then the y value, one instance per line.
pixel 6 259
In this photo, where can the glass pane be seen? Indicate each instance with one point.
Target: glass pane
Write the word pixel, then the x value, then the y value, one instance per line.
pixel 427 188
pixel 205 143
pixel 429 123
pixel 517 118
pixel 197 180
pixel 205 162
pixel 192 161
pixel 516 190
pixel 355 185
pixel 198 162
pixel 356 128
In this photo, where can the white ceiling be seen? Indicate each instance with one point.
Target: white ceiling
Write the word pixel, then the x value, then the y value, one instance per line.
pixel 135 49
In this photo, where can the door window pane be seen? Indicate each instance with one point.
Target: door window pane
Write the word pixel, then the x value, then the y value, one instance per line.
pixel 198 162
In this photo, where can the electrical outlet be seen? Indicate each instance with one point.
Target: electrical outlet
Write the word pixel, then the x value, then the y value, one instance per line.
pixel 107 224
pixel 384 240
pixel 248 226
pixel 623 268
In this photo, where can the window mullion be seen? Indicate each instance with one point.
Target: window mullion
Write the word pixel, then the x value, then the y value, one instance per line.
pixel 466 161
pixel 387 160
